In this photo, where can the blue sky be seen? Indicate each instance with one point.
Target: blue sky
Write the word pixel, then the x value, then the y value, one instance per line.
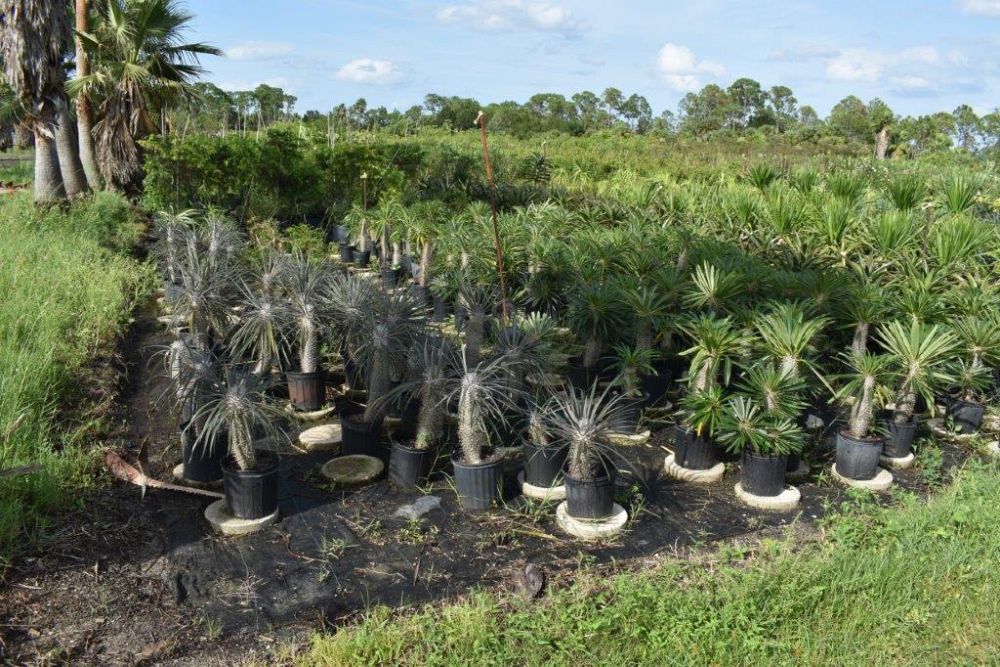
pixel 920 56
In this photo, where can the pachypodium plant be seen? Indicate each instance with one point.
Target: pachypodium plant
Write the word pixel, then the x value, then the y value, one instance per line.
pixel 485 401
pixel 746 425
pixel 631 363
pixel 479 300
pixel 788 337
pixel 716 345
pixel 581 420
pixel 173 230
pixel 306 286
pixel 261 334
pixel 865 383
pixel 920 354
pixel 597 317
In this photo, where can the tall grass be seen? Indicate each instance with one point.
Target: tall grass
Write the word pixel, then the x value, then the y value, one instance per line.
pixel 915 584
pixel 67 286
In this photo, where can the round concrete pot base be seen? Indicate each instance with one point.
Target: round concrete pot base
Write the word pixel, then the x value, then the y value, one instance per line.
pixel 937 428
pixel 785 501
pixel 311 416
pixel 626 439
pixel 994 448
pixel 179 476
pixel 677 471
pixel 225 523
pixel 897 462
pixel 881 482
pixel 353 470
pixel 541 492
pixel 592 529
pixel 800 473
pixel 324 438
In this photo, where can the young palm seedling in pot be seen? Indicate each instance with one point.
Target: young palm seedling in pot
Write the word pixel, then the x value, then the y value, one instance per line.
pixel 632 363
pixel 859 446
pixel 763 439
pixel 979 345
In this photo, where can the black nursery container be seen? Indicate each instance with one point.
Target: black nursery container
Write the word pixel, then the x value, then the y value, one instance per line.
pixel 899 438
pixel 408 466
pixel 202 462
pixel 763 475
pixel 543 464
pixel 390 278
pixel 479 485
pixel 441 309
pixel 359 436
pixel 966 415
pixel 252 494
pixel 307 391
pixel 362 257
pixel 857 458
pixel 346 252
pixel 691 451
pixel 591 499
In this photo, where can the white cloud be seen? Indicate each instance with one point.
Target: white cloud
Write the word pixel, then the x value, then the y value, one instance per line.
pixel 868 66
pixel 369 70
pixel 259 50
pixel 802 53
pixel 503 15
pixel 245 84
pixel 910 83
pixel 678 66
pixel 981 7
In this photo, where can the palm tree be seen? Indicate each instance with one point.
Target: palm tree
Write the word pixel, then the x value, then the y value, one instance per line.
pixel 32 44
pixel 84 110
pixel 140 66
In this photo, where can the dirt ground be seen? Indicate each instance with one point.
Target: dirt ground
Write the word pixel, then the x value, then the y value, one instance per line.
pixel 141 579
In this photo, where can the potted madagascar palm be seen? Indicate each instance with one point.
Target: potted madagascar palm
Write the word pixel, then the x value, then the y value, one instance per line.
pixel 236 410
pixel 763 440
pixel 305 285
pixel 979 345
pixel 919 353
pixel 859 446
pixel 581 421
pixel 631 364
pixel 484 398
pixel 597 317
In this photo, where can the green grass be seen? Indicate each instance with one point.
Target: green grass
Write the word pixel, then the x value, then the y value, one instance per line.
pixel 67 287
pixel 914 584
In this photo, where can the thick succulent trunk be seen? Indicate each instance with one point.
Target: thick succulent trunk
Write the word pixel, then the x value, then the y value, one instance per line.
pixel 430 420
pixel 471 432
pixel 48 177
pixel 790 366
pixel 906 402
pixel 425 264
pixel 860 343
pixel 536 429
pixel 397 253
pixel 644 336
pixel 241 447
pixel 474 332
pixel 862 411
pixel 309 355
pixel 881 143
pixel 591 352
pixel 67 147
pixel 682 259
pixel 378 385
pixel 703 378
pixel 579 462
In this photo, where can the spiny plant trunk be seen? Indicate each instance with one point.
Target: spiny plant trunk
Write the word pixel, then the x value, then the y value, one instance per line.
pixel 790 366
pixel 425 264
pixel 682 259
pixel 861 412
pixel 860 343
pixel 474 331
pixel 906 401
pixel 591 352
pixel 378 385
pixel 430 420
pixel 309 356
pixel 536 429
pixel 397 253
pixel 580 465
pixel 241 447
pixel 48 177
pixel 644 336
pixel 67 147
pixel 363 238
pixel 703 379
pixel 471 433
pixel 881 143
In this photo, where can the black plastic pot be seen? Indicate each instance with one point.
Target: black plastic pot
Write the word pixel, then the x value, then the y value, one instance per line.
pixel 899 441
pixel 582 377
pixel 202 462
pixel 479 485
pixel 857 458
pixel 441 309
pixel 307 391
pixel 410 467
pixel 543 464
pixel 359 436
pixel 390 278
pixel 628 415
pixel 346 252
pixel 793 461
pixel 252 494
pixel 966 415
pixel 693 452
pixel 593 498
pixel 362 257
pixel 656 386
pixel 763 475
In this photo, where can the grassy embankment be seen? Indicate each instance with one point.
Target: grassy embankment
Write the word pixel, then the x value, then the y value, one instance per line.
pixel 67 287
pixel 913 584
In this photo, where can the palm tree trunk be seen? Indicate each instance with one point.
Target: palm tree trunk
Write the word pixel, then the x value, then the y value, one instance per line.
pixel 84 112
pixel 48 178
pixel 67 147
pixel 425 263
